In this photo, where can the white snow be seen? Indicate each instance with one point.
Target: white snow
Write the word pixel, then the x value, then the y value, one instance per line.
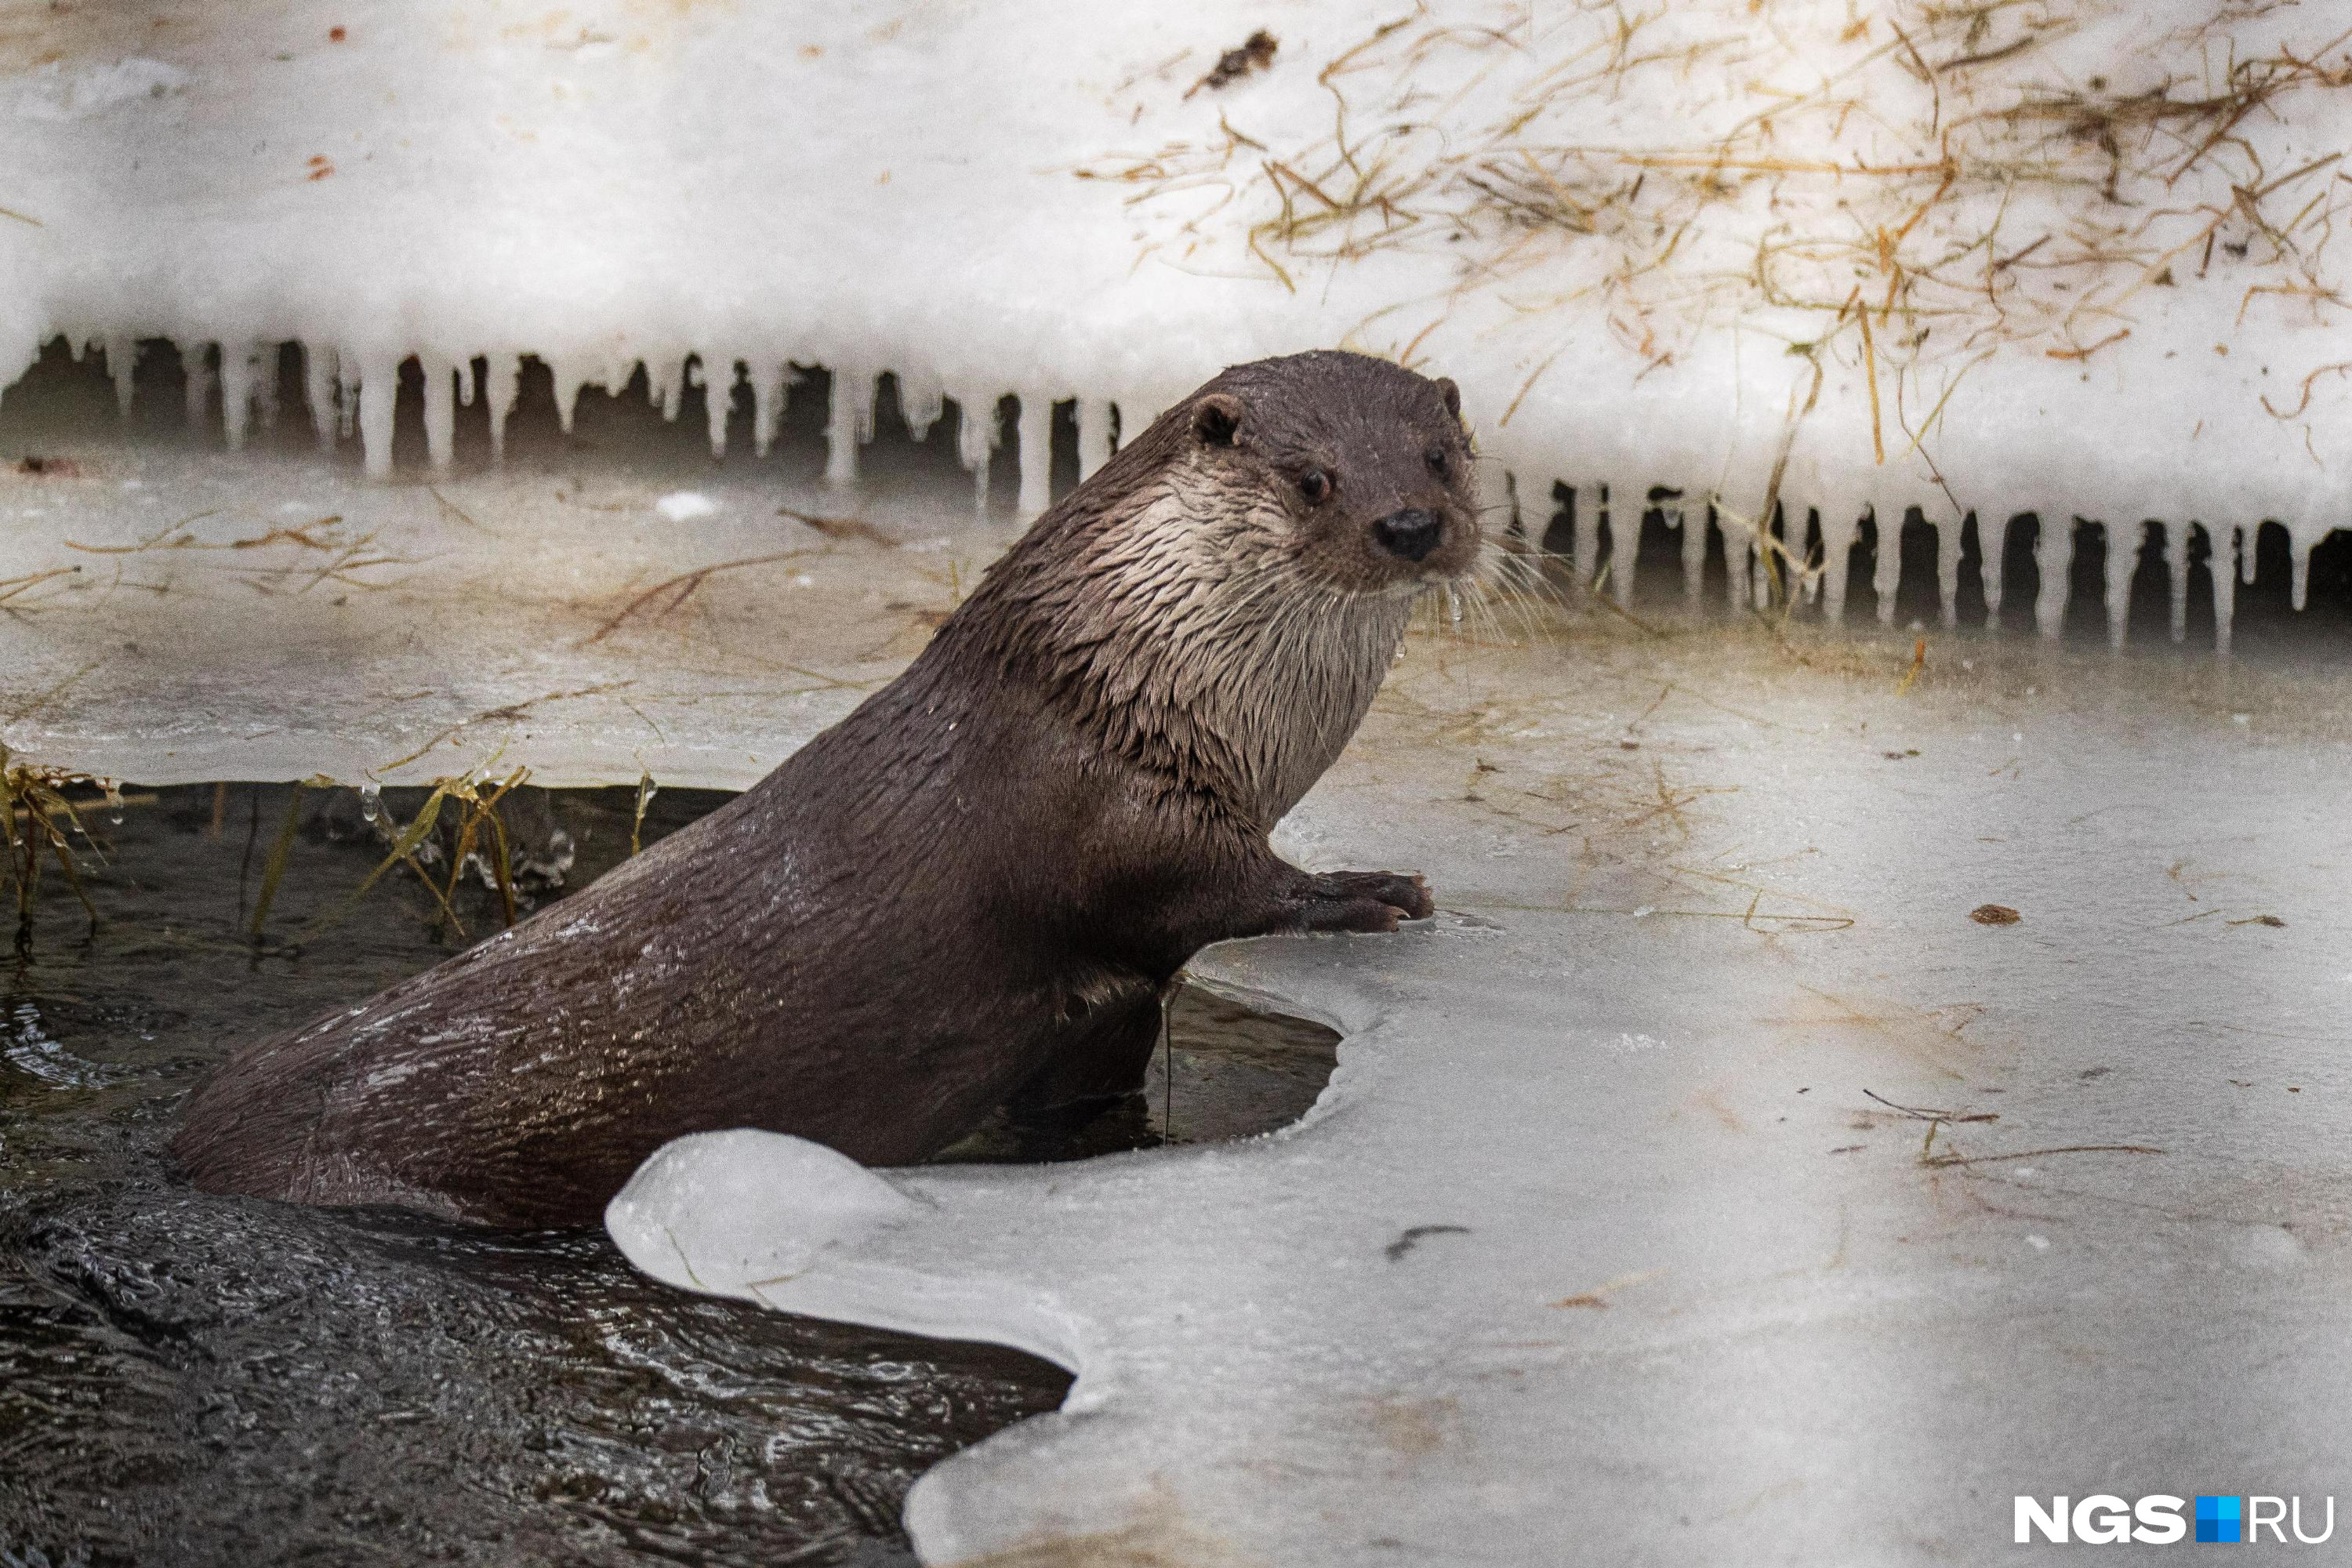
pixel 2075 257
pixel 52 93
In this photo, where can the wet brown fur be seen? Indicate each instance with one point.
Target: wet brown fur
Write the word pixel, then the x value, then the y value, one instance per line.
pixel 974 889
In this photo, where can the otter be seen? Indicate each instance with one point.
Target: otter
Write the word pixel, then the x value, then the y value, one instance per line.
pixel 974 889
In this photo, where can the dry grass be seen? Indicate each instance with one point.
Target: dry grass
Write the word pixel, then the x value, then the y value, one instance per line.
pixel 279 560
pixel 477 837
pixel 670 593
pixel 1913 191
pixel 39 825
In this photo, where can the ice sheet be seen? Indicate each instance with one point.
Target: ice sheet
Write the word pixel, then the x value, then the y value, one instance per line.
pixel 175 617
pixel 1705 1184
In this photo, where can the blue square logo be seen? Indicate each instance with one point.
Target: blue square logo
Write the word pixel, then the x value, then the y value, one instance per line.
pixel 2218 1519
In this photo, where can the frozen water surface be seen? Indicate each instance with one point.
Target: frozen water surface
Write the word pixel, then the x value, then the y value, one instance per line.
pixel 1705 1171
pixel 1704 1174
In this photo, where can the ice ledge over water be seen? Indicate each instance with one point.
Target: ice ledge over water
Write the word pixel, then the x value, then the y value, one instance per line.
pixel 793 1225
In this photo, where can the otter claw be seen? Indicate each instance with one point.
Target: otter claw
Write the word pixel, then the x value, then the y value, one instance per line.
pixel 1405 893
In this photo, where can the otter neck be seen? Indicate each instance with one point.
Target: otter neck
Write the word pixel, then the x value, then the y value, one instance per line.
pixel 1177 627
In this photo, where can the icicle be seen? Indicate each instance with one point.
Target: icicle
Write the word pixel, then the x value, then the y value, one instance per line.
pixel 569 380
pixel 1947 565
pixel 1838 520
pixel 2123 559
pixel 850 417
pixel 2222 545
pixel 265 385
pixel 1624 537
pixel 768 405
pixel 922 400
pixel 199 387
pixel 2053 560
pixel 1989 554
pixel 2249 537
pixel 502 390
pixel 2299 558
pixel 2176 570
pixel 1584 531
pixel 1036 438
pixel 347 393
pixel 1886 563
pixel 1841 525
pixel 718 400
pixel 1739 548
pixel 122 365
pixel 1093 436
pixel 236 392
pixel 977 438
pixel 440 410
pixel 468 384
pixel 379 393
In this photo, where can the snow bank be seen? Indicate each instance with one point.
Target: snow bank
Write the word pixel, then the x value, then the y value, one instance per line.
pixel 2071 256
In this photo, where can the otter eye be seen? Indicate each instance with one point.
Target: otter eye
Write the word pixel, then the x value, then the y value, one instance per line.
pixel 1438 462
pixel 1316 486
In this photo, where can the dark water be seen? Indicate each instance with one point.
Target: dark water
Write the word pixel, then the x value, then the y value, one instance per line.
pixel 190 1380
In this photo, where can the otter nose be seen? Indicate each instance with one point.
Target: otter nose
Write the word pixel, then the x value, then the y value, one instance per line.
pixel 1412 534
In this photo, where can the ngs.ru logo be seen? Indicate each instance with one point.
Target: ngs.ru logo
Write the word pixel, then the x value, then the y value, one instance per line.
pixel 2158 1520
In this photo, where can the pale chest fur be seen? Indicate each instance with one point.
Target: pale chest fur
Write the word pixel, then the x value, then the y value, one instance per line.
pixel 1211 647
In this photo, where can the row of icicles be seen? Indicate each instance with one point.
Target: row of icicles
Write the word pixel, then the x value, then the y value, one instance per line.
pixel 1751 580
pixel 356 394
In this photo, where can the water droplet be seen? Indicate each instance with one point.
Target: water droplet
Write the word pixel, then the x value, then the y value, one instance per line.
pixel 113 800
pixel 370 801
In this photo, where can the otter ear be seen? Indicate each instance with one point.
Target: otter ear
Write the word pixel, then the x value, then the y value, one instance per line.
pixel 1452 393
pixel 1216 417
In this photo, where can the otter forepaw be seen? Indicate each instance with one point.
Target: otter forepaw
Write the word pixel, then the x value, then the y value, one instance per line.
pixel 1407 892
pixel 1366 901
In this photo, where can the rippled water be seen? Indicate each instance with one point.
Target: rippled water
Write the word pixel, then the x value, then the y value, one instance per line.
pixel 191 1380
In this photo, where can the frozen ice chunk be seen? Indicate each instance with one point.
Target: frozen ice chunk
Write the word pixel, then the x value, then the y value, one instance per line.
pixel 750 1209
pixel 684 506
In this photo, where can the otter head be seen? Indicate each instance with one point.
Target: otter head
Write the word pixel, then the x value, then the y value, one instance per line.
pixel 1363 469
pixel 1221 601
